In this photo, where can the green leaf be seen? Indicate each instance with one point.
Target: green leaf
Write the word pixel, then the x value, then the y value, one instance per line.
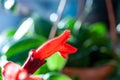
pixel 22 45
pixel 67 22
pixel 41 26
pixel 98 28
pixel 0 73
pixel 55 76
pixel 42 70
pixel 56 62
pixel 9 33
pixel 18 51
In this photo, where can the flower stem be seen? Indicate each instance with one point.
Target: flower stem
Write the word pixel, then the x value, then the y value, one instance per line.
pixel 32 64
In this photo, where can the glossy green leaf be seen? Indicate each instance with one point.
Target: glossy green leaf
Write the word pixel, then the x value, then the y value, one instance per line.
pixel 18 51
pixel 22 45
pixel 56 62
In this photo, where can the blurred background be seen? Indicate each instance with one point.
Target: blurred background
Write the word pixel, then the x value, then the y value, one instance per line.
pixel 95 31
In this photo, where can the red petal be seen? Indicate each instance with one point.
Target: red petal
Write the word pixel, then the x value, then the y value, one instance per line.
pixel 64 55
pixel 52 46
pixel 68 49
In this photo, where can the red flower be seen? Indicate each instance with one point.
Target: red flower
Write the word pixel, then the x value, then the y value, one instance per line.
pixel 13 71
pixel 57 44
pixel 37 58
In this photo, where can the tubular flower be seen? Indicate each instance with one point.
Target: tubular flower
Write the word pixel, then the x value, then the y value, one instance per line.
pixel 13 71
pixel 57 44
pixel 37 57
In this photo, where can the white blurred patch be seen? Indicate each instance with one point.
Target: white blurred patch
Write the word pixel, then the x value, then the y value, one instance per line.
pixel 53 17
pixel 24 27
pixel 3 61
pixel 8 4
pixel 118 28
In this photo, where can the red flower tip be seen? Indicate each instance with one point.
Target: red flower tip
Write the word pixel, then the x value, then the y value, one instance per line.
pixel 55 45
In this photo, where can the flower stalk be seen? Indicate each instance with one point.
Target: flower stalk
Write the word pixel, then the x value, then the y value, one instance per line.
pixel 32 64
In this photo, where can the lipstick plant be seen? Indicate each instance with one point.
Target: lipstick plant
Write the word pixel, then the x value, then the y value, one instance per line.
pixel 36 58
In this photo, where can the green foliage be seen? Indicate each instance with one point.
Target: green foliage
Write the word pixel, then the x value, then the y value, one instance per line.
pixel 67 22
pixel 18 51
pixel 55 62
pixel 98 28
pixel 22 45
pixel 42 70
pixel 94 45
pixel 42 26
pixel 55 76
pixel 0 73
pixel 115 75
pixel 9 33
